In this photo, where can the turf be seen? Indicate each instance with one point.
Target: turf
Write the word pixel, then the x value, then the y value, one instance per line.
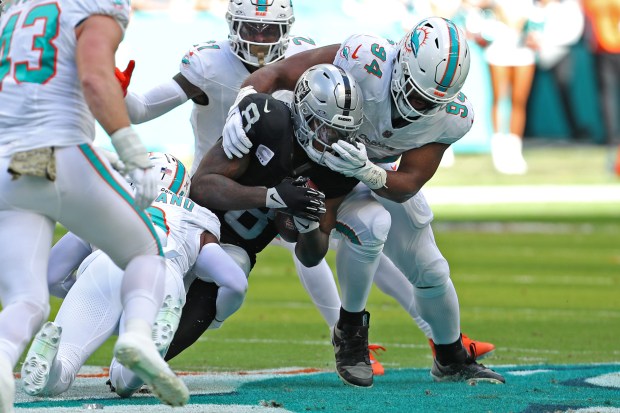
pixel 541 281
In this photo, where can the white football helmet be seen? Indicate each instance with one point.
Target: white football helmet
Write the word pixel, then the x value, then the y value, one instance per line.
pixel 173 176
pixel 259 29
pixel 327 107
pixel 430 68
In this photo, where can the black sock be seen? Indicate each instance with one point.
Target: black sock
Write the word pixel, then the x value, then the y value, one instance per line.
pixel 353 319
pixel 451 353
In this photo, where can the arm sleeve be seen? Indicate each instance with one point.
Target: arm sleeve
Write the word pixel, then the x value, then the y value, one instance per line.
pixel 155 102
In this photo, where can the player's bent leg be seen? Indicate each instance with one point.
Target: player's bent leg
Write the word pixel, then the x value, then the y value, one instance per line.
pixel 364 225
pixel 411 247
pixel 125 382
pixel 95 296
pixel 319 283
pixel 135 348
pixel 392 282
pixel 216 265
pixel 198 313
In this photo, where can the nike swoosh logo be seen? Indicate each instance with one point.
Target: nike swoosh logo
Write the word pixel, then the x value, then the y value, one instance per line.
pixel 274 199
pixel 303 226
pixel 354 55
pixel 266 110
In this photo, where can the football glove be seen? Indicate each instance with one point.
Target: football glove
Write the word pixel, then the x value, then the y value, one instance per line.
pixel 124 77
pixel 305 225
pixel 297 198
pixel 138 166
pixel 352 161
pixel 235 142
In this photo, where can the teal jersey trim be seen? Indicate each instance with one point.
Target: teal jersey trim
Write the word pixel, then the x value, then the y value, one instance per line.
pixel 159 218
pixel 94 159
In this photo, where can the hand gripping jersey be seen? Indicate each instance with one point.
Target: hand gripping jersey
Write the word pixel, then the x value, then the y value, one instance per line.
pixel 42 100
pixel 215 69
pixel 183 221
pixel 370 60
pixel 275 155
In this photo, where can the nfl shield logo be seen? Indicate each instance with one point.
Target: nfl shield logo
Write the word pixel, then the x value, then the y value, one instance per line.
pixel 386 134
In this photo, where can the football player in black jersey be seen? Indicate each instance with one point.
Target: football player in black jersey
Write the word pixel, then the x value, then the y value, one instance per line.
pixel 278 174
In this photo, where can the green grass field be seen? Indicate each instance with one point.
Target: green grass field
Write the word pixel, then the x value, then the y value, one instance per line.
pixel 541 281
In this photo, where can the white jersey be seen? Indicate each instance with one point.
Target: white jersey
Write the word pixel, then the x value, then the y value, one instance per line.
pixel 183 221
pixel 42 100
pixel 215 69
pixel 370 60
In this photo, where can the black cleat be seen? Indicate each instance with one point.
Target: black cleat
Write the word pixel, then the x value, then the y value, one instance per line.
pixel 351 350
pixel 468 371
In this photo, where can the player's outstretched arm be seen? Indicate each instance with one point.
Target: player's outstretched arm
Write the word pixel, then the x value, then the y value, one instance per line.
pixel 283 75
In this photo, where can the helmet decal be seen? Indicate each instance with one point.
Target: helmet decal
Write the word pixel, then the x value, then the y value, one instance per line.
pixel 453 61
pixel 418 38
pixel 261 7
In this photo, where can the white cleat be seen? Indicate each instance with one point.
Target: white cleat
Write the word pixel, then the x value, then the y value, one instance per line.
pixel 166 323
pixel 140 355
pixel 7 387
pixel 41 355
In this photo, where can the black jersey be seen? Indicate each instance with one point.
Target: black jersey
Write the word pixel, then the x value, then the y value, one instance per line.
pixel 275 155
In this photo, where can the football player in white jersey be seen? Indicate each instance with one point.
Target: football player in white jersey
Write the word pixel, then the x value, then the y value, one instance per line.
pixel 56 78
pixel 413 111
pixel 190 235
pixel 210 75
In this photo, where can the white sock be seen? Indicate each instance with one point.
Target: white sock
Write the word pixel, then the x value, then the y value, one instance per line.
pixel 439 306
pixel 392 282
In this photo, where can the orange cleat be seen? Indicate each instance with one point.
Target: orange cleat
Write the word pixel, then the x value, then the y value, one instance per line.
pixel 476 349
pixel 377 368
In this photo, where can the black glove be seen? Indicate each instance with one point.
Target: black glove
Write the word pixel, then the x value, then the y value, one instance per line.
pixel 297 198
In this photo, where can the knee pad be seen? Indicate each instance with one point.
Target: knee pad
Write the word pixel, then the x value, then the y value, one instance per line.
pixel 431 292
pixel 368 226
pixel 434 273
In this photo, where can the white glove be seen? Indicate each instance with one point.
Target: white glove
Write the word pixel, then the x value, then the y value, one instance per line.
pixel 353 162
pixel 144 182
pixel 304 225
pixel 115 161
pixel 235 142
pixel 138 166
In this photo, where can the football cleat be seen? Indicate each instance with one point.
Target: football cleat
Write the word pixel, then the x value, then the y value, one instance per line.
pixel 468 371
pixel 477 349
pixel 352 356
pixel 377 368
pixel 166 323
pixel 140 355
pixel 41 355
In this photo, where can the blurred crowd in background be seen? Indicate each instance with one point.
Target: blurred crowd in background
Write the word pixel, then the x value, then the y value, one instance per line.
pixel 547 69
